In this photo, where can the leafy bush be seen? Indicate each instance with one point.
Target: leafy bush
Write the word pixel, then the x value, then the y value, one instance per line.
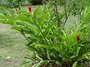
pixel 11 3
pixel 51 43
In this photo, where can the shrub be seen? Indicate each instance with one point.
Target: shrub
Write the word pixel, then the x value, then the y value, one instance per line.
pixel 51 43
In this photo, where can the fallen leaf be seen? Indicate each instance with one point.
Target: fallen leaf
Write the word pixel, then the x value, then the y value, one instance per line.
pixel 8 57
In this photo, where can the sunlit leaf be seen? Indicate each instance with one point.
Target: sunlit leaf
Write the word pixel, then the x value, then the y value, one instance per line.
pixel 74 64
pixel 8 57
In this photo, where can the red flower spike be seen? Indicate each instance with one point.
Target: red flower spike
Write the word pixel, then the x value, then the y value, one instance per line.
pixel 77 38
pixel 29 8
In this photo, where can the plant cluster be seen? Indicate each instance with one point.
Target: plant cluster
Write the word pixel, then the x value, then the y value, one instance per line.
pixel 51 43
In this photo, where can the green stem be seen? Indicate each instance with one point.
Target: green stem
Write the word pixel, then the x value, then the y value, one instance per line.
pixel 56 11
pixel 65 9
pixel 40 31
pixel 22 32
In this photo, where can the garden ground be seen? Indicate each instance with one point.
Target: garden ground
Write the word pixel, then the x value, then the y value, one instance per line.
pixel 12 47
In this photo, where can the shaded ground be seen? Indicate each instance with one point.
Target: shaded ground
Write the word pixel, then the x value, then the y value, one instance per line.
pixel 12 47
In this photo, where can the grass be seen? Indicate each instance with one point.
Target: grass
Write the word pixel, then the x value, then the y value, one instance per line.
pixel 12 47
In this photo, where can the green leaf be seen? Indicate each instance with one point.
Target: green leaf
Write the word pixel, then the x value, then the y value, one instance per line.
pixel 2 16
pixel 85 16
pixel 57 48
pixel 47 28
pixel 16 28
pixel 76 24
pixel 36 12
pixel 43 17
pixel 74 64
pixel 41 63
pixel 78 50
pixel 41 46
pixel 8 13
pixel 34 65
pixel 24 63
pixel 31 48
pixel 39 57
pixel 58 62
pixel 31 26
pixel 86 56
pixel 10 21
pixel 26 19
pixel 64 33
pixel 28 25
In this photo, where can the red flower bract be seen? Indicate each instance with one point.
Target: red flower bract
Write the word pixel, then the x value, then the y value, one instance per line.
pixel 29 8
pixel 77 38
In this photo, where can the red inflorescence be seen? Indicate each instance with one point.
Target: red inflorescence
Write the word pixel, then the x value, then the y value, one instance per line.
pixel 29 8
pixel 77 38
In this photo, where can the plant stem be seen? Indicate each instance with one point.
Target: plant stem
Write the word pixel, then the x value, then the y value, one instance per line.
pixel 65 9
pixel 56 11
pixel 40 31
pixel 22 32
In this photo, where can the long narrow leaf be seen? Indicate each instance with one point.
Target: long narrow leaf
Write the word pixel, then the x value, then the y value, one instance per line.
pixel 35 14
pixel 43 17
pixel 74 64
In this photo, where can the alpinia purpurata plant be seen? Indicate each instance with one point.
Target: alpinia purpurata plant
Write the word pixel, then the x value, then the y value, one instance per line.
pixel 29 8
pixel 51 43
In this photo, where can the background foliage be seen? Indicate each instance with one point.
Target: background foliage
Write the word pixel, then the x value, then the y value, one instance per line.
pixel 11 3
